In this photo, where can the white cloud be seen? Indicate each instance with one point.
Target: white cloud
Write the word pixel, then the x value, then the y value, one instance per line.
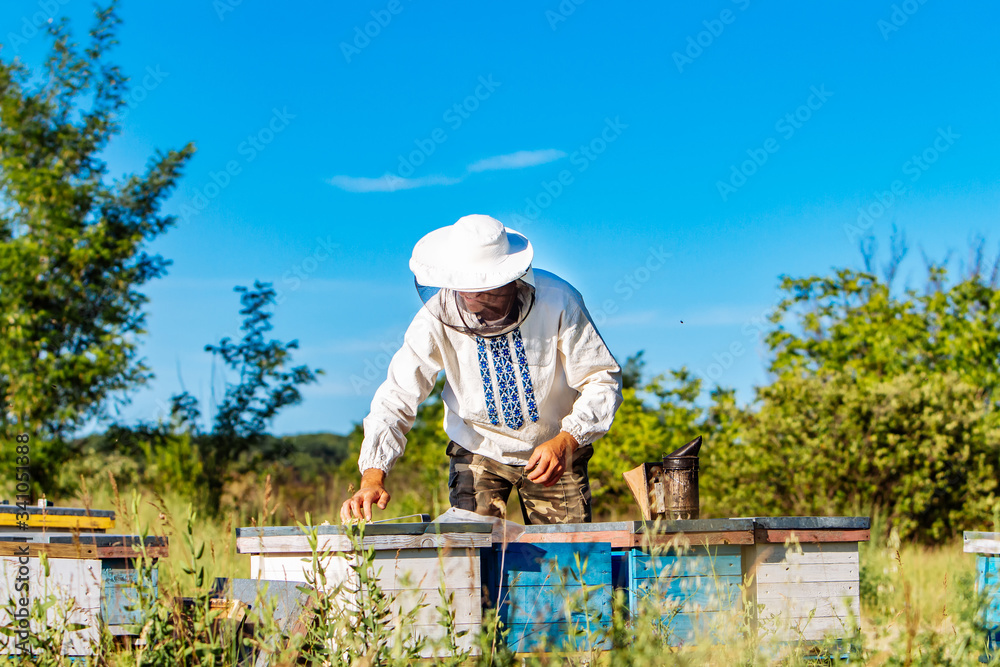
pixel 388 183
pixel 518 160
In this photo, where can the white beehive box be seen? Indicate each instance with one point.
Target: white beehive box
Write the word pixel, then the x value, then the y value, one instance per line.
pixel 411 562
pixel 74 581
pixel 803 575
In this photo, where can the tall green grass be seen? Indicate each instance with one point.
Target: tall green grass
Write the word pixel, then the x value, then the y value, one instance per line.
pixel 918 607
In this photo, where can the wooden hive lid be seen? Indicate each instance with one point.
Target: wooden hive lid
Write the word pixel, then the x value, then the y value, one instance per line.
pixel 388 536
pixel 57 518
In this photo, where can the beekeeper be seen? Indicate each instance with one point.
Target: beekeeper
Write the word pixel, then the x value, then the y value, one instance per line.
pixel 529 383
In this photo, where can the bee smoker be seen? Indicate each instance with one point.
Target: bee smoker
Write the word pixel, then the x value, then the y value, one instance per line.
pixel 668 489
pixel 680 481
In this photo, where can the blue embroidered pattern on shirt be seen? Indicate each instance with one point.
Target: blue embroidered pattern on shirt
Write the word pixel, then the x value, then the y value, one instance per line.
pixel 484 370
pixel 522 362
pixel 503 366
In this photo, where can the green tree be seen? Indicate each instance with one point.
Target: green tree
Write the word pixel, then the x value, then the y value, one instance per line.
pixel 72 241
pixel 266 385
pixel 851 322
pixel 880 402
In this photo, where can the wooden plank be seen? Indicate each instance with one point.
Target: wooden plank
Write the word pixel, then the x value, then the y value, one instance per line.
pixel 106 540
pixel 813 522
pixel 586 636
pixel 693 526
pixel 772 536
pixel 549 564
pixel 805 607
pixel 54 510
pixel 466 605
pixel 702 551
pixel 827 589
pixel 809 553
pixel 688 594
pixel 646 540
pixel 132 552
pixel 748 553
pixel 645 566
pixel 293 567
pixel 425 568
pixel 553 604
pixel 981 546
pixel 592 576
pixel 300 544
pixel 618 539
pixel 775 573
pixel 782 628
pixel 35 549
pixel 436 633
pixel 372 529
pixel 64 521
pixel 699 628
pixel 689 587
pixel 596 527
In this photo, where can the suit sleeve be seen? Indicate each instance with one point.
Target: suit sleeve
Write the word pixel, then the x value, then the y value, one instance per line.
pixel 410 379
pixel 591 369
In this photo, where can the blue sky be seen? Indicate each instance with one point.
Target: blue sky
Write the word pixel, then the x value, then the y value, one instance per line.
pixel 737 139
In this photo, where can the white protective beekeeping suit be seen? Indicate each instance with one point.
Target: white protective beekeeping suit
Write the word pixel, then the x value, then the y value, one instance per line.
pixel 513 381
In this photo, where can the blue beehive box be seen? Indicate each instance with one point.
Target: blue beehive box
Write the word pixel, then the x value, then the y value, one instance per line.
pixel 119 597
pixel 119 575
pixel 988 583
pixel 986 546
pixel 688 590
pixel 550 596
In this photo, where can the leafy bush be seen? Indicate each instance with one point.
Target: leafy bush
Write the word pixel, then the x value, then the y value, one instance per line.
pixel 879 403
pixel 920 446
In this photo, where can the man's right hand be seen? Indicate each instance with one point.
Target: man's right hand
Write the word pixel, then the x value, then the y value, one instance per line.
pixel 372 492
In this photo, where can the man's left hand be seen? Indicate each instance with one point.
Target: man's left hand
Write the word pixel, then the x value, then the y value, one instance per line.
pixel 549 460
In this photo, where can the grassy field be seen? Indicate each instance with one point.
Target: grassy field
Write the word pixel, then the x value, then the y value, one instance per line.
pixel 918 606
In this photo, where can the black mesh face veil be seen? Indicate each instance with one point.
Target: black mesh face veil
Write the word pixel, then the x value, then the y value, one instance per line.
pixel 486 313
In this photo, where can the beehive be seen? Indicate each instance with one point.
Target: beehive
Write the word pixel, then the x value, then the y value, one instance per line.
pixel 411 562
pixel 803 575
pixel 688 573
pixel 95 572
pixel 986 546
pixel 552 596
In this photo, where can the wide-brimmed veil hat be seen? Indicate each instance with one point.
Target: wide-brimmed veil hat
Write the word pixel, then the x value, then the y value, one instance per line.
pixel 476 254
